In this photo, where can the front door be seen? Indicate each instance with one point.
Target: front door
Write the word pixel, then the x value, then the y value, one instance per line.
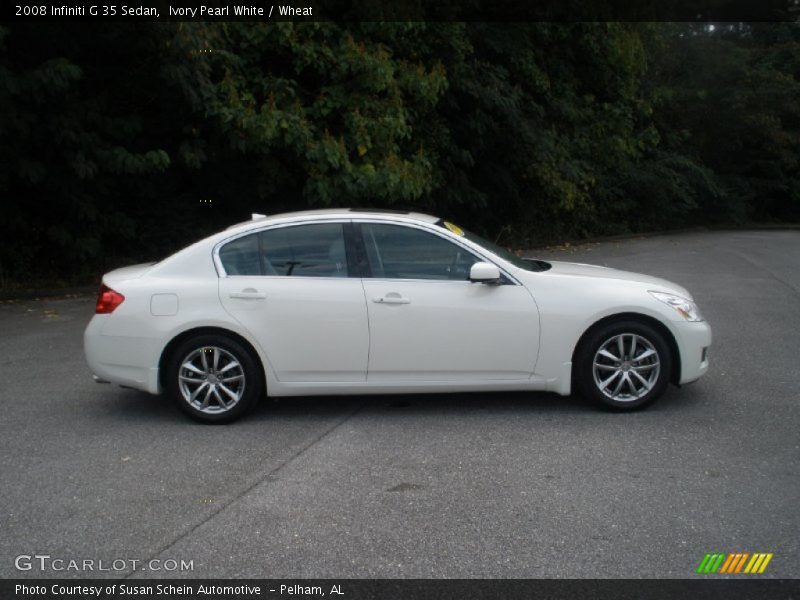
pixel 428 322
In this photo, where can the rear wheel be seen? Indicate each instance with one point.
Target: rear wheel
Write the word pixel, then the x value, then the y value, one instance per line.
pixel 213 378
pixel 624 365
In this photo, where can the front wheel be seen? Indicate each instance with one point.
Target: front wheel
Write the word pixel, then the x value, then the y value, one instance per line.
pixel 213 378
pixel 623 365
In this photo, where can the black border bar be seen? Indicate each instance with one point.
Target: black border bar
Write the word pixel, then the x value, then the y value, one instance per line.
pixel 405 589
pixel 105 11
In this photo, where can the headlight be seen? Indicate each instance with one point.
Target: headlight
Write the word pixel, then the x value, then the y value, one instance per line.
pixel 686 308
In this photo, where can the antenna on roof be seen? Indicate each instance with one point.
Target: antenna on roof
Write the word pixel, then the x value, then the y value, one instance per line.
pixel 257 216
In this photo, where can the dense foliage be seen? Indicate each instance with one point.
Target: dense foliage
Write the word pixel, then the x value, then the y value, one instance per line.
pixel 123 143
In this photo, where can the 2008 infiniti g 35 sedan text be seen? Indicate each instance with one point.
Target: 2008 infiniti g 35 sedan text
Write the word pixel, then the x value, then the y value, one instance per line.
pixel 359 301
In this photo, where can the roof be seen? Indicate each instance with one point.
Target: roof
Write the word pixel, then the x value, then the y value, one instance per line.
pixel 332 213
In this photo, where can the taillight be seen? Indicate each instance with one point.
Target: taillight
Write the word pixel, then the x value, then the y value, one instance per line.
pixel 107 300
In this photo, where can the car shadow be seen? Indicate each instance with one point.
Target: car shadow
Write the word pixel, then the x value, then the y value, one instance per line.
pixel 136 406
pixel 449 403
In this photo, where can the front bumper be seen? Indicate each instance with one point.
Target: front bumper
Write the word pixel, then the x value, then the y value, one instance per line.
pixel 694 340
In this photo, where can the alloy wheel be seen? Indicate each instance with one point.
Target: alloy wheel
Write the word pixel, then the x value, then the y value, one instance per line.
pixel 626 367
pixel 211 380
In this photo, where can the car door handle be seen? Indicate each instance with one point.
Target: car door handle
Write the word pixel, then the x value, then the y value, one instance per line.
pixel 248 295
pixel 391 299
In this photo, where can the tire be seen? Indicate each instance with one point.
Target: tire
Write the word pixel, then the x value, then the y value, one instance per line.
pixel 613 377
pixel 213 378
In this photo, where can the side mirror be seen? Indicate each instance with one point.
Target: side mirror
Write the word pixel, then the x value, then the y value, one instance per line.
pixel 483 272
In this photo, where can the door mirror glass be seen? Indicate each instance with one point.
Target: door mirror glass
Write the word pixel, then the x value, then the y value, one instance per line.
pixel 483 272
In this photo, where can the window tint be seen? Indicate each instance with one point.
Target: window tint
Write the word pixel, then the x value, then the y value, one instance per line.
pixel 240 257
pixel 398 252
pixel 305 251
pixel 316 250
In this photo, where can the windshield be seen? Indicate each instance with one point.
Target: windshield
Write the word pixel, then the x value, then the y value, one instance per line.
pixel 529 264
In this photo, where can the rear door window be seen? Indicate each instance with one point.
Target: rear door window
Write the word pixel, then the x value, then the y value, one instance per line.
pixel 313 250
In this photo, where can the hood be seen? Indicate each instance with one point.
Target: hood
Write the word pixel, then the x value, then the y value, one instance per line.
pixel 130 272
pixel 597 272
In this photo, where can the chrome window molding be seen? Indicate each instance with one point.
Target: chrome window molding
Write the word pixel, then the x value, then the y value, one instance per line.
pixel 433 229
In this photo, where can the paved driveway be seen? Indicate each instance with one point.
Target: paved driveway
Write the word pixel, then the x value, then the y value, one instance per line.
pixel 482 485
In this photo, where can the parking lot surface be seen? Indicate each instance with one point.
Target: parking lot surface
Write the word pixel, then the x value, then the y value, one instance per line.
pixel 468 485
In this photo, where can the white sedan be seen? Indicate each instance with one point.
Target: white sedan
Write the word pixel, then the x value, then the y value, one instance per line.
pixel 366 302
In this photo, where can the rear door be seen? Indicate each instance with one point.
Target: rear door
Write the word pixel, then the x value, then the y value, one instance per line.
pixel 291 287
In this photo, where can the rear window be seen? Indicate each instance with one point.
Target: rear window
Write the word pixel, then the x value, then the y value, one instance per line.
pixel 314 250
pixel 241 257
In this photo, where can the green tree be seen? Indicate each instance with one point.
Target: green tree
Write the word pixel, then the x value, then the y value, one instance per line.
pixel 124 143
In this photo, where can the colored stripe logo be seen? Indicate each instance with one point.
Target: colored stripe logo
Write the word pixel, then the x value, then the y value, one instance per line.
pixel 734 562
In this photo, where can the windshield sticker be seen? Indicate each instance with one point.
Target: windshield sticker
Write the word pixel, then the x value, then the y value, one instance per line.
pixel 454 228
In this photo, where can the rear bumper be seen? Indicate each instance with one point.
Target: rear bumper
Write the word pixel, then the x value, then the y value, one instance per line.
pixel 124 360
pixel 694 340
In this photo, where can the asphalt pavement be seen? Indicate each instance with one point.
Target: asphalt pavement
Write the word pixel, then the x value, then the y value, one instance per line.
pixel 471 485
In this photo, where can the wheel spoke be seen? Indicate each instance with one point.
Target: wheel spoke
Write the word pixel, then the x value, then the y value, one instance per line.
pixel 190 367
pixel 231 365
pixel 633 346
pixel 604 384
pixel 203 359
pixel 231 378
pixel 620 346
pixel 219 397
pixel 631 385
pixel 644 367
pixel 618 387
pixel 608 355
pixel 605 367
pixel 644 381
pixel 194 395
pixel 233 395
pixel 207 397
pixel 646 354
